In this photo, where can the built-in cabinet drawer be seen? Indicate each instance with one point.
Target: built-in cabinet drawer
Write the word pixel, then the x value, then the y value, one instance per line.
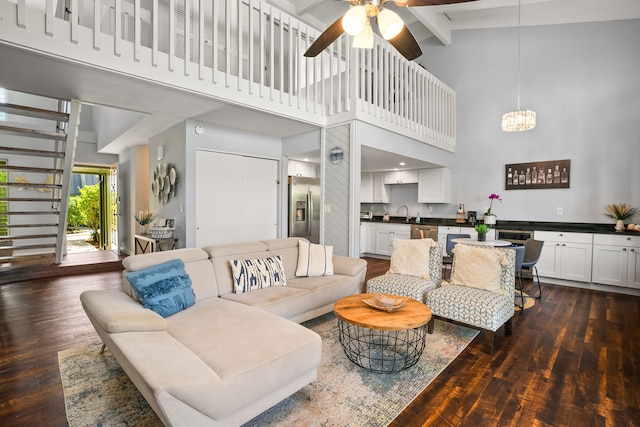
pixel 565 255
pixel 401 177
pixel 616 260
pixel 301 169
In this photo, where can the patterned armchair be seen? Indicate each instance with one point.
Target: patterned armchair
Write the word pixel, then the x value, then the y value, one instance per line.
pixel 480 293
pixel 415 268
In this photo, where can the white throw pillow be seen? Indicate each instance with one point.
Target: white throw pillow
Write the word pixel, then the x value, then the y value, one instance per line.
pixel 253 274
pixel 411 257
pixel 478 267
pixel 314 260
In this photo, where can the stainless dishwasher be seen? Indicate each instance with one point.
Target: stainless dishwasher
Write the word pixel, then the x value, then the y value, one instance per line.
pixel 424 231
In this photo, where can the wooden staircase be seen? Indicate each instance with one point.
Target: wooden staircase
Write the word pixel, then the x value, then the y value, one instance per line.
pixel 36 165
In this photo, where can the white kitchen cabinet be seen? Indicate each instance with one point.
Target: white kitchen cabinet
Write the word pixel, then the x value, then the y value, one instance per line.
pixel 565 255
pixel 296 168
pixel 372 188
pixel 434 185
pixel 616 260
pixel 387 234
pixel 367 237
pixel 401 177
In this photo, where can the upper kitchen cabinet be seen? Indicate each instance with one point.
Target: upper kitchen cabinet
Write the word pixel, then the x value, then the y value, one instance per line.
pixel 372 188
pixel 434 185
pixel 301 169
pixel 401 177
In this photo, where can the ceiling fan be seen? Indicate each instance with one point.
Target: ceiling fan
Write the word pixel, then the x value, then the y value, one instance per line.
pixel 356 22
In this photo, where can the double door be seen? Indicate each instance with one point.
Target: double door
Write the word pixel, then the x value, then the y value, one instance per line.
pixel 565 255
pixel 616 260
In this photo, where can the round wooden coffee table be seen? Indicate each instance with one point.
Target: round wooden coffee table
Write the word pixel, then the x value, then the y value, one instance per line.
pixel 381 341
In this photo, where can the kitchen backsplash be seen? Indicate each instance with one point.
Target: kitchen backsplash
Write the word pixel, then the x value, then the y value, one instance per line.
pixel 407 195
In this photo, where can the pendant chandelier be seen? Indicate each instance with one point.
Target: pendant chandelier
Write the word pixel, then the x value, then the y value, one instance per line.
pixel 519 120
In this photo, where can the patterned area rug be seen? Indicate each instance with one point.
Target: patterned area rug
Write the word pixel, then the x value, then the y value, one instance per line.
pixel 98 393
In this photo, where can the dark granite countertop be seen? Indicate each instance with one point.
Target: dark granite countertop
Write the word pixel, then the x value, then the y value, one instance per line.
pixel 567 227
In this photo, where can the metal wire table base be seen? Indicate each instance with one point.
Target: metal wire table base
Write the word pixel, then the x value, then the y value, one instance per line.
pixel 382 351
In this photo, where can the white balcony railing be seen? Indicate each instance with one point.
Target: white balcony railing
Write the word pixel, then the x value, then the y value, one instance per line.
pixel 240 51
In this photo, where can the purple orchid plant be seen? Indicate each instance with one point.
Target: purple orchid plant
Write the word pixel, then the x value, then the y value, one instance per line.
pixel 492 197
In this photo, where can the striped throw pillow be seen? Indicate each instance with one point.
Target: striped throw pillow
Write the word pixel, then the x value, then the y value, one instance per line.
pixel 314 260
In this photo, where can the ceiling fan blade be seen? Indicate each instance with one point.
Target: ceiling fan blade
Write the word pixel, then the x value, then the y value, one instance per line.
pixel 411 3
pixel 406 44
pixel 329 36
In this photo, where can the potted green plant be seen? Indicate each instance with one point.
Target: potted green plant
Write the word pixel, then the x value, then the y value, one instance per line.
pixel 482 232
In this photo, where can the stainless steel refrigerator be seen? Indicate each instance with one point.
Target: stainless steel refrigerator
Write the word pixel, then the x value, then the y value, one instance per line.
pixel 304 208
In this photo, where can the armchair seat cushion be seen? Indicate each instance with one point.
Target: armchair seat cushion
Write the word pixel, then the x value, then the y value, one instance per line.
pixel 472 306
pixel 400 284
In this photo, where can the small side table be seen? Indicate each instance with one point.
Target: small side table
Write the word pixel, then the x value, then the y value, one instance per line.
pixel 379 341
pixel 144 244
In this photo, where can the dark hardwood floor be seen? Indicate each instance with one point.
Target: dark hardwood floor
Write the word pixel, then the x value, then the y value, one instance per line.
pixel 573 360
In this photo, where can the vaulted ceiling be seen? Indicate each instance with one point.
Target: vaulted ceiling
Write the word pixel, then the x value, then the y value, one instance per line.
pixel 429 21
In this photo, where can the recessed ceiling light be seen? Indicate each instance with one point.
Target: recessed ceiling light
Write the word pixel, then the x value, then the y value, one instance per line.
pixel 395 169
pixel 305 159
pixel 402 163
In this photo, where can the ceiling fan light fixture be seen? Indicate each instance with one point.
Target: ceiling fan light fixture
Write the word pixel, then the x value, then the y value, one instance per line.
pixel 364 40
pixel 354 21
pixel 390 24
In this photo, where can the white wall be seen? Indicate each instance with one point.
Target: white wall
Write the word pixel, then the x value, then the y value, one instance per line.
pixel 582 80
pixel 173 143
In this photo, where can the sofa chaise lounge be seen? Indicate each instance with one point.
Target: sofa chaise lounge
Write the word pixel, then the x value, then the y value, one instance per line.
pixel 230 355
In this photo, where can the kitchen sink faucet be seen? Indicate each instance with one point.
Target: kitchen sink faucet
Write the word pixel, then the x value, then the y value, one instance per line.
pixel 407 217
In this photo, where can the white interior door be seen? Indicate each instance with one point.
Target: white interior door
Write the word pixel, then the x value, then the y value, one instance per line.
pixel 236 198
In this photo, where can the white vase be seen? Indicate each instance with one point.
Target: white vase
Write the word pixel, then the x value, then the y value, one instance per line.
pixel 619 225
pixel 143 229
pixel 490 219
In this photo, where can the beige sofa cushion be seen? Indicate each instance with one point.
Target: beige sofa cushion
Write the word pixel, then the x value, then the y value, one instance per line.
pixel 287 248
pixel 221 255
pixel 196 264
pixel 116 312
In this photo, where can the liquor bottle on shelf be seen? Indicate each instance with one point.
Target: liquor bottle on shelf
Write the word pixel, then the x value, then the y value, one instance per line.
pixel 556 175
pixel 534 176
pixel 549 176
pixel 541 178
pixel 515 177
pixel 527 177
pixel 509 177
pixel 521 179
pixel 564 176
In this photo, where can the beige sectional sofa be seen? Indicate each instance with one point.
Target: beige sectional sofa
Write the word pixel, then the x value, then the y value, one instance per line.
pixel 230 356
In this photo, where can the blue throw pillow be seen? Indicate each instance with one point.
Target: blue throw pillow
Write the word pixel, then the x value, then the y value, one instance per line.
pixel 164 288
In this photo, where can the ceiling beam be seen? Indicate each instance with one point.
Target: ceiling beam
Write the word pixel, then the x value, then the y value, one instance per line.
pixel 304 6
pixel 438 24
